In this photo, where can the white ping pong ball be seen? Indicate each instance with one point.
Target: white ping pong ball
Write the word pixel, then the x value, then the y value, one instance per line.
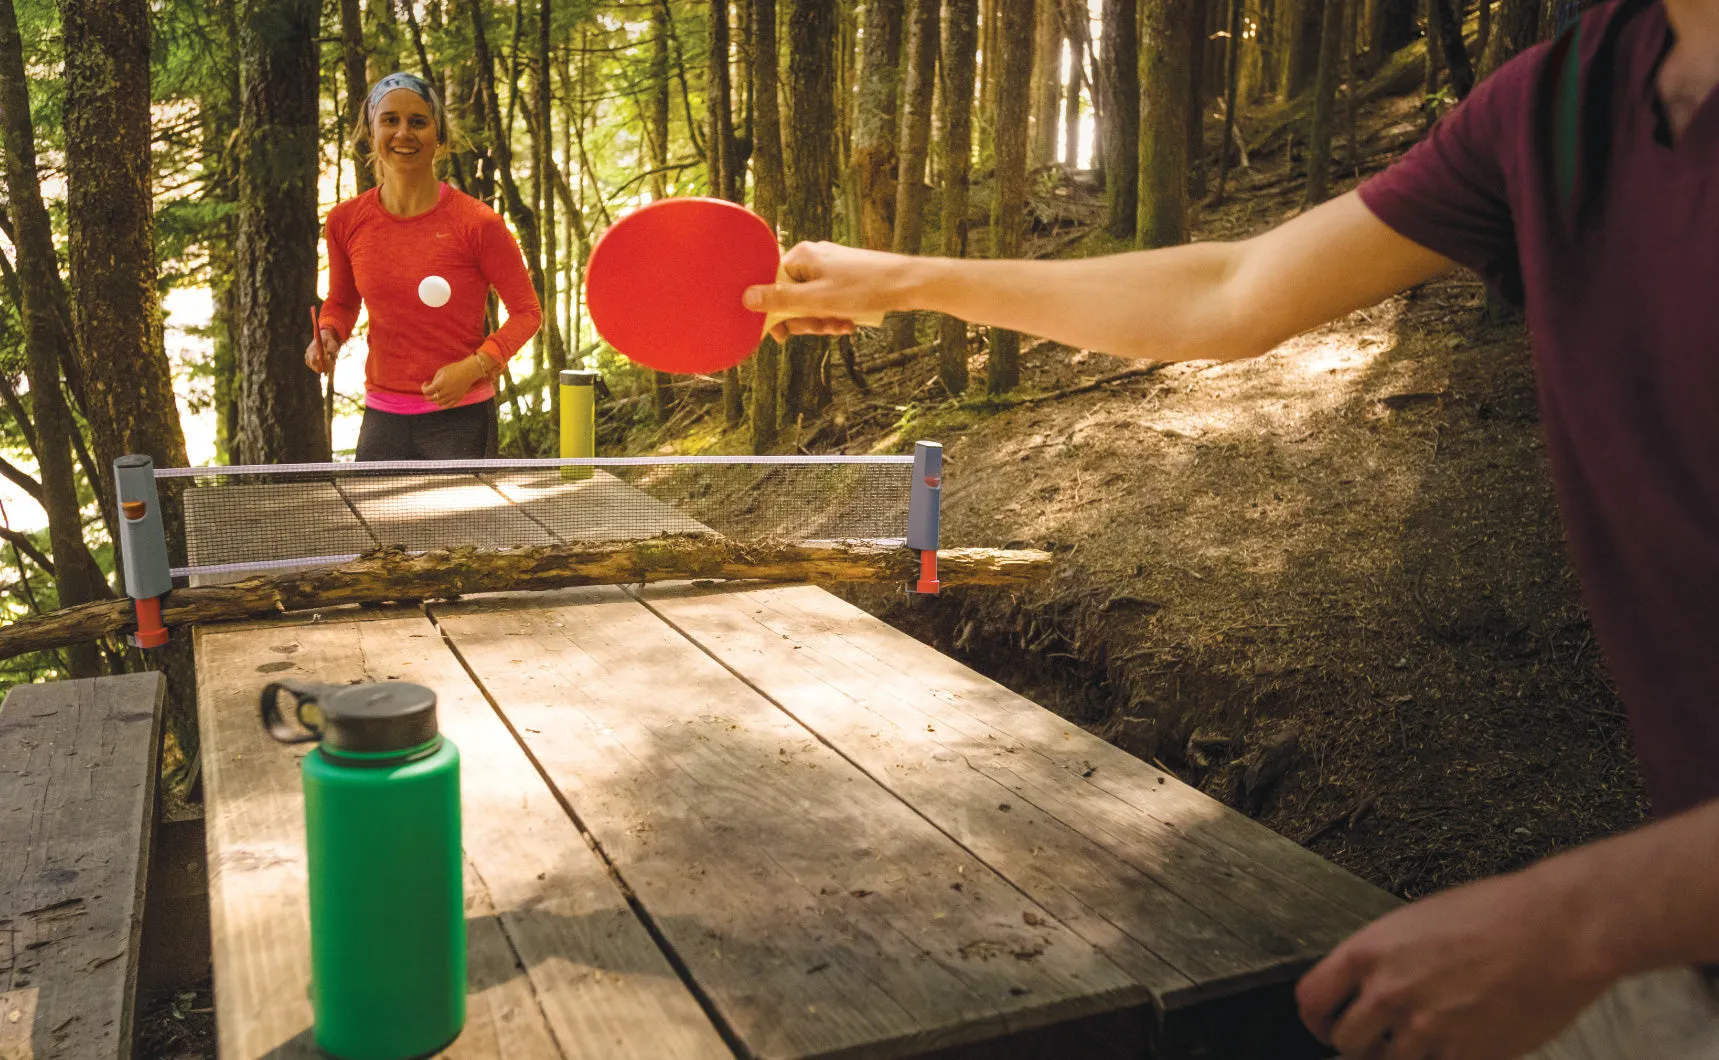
pixel 434 291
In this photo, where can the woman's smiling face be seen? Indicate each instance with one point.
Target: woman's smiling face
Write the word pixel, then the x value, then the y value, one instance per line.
pixel 403 130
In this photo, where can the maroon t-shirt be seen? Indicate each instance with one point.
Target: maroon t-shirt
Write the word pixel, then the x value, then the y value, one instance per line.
pixel 1623 312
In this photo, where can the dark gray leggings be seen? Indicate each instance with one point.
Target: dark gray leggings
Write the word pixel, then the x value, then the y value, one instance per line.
pixel 464 433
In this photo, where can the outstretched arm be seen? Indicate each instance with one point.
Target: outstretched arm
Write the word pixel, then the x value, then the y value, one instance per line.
pixel 1203 300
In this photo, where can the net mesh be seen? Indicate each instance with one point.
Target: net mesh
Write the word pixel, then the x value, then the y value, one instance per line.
pixel 271 518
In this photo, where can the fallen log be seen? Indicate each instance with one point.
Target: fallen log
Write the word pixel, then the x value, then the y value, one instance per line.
pixel 390 574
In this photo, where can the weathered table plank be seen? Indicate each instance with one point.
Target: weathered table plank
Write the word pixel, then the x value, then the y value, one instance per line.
pixel 1140 864
pixel 820 914
pixel 78 768
pixel 558 962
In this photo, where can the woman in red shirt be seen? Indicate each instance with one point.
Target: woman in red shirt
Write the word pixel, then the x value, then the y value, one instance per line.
pixel 423 257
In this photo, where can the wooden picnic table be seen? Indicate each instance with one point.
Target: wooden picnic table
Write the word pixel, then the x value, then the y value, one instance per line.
pixel 754 821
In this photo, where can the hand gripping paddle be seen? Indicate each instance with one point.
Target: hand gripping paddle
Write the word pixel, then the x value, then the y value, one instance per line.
pixel 664 284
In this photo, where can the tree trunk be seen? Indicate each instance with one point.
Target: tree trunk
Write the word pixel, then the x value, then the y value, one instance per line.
pixel 1483 29
pixel 1393 28
pixel 1164 86
pixel 847 109
pixel 915 143
pixel 740 76
pixel 1351 76
pixel 1517 29
pixel 1443 23
pixel 543 166
pixel 1197 12
pixel 990 52
pixel 1299 54
pixel 656 147
pixel 1075 29
pixel 1232 85
pixel 728 176
pixel 811 176
pixel 1259 59
pixel 275 259
pixel 461 92
pixel 874 151
pixel 77 578
pixel 116 309
pixel 501 148
pixel 769 188
pixel 1435 64
pixel 220 122
pixel 1047 83
pixel 1324 106
pixel 384 50
pixel 1008 214
pixel 352 56
pixel 719 107
pixel 1119 72
pixel 128 385
pixel 960 39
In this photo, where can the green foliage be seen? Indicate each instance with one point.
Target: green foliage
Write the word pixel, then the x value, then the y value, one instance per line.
pixel 182 227
pixel 39 29
pixel 25 589
pixel 939 420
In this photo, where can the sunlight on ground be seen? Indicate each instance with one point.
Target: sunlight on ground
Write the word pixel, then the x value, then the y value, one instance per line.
pixel 1307 376
pixel 1225 459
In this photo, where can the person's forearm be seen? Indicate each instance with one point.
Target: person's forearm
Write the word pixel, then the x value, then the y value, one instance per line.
pixel 1646 899
pixel 1203 300
pixel 1159 304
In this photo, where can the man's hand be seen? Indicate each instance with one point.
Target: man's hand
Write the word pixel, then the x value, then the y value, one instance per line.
pixel 453 381
pixel 1483 972
pixel 830 286
pixel 319 356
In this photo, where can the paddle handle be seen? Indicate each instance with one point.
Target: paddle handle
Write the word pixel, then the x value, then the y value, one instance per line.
pixel 327 383
pixel 864 320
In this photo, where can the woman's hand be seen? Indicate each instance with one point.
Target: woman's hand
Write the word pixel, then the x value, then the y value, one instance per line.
pixel 830 285
pixel 319 356
pixel 454 381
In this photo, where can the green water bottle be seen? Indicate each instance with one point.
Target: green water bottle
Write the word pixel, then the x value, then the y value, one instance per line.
pixel 382 834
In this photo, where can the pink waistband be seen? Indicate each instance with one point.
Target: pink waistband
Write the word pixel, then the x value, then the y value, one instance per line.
pixel 416 404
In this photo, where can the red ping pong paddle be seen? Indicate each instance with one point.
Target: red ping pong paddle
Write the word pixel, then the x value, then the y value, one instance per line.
pixel 664 284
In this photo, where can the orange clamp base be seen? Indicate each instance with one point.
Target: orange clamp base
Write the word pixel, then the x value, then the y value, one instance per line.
pixel 150 632
pixel 928 582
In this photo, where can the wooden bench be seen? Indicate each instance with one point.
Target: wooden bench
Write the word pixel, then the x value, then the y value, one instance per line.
pixel 78 766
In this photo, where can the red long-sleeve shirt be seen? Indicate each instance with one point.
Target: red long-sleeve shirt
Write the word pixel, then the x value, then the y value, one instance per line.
pixel 380 259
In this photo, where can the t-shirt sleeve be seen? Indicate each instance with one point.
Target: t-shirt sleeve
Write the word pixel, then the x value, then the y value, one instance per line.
pixel 1450 192
pixel 504 267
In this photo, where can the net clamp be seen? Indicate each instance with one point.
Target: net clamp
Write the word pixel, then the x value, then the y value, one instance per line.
pixel 924 513
pixel 143 547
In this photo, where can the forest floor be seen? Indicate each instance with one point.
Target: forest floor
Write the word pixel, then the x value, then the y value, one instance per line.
pixel 1344 553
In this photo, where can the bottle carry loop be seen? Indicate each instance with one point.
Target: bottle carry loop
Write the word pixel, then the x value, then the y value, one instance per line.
pixel 303 693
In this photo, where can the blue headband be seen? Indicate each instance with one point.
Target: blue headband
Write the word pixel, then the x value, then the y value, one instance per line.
pixel 418 87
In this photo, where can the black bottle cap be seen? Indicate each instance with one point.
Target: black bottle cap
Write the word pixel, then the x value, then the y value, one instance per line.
pixel 378 718
pixel 385 717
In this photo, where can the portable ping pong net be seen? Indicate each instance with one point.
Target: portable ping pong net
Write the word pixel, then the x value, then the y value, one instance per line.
pixel 240 522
